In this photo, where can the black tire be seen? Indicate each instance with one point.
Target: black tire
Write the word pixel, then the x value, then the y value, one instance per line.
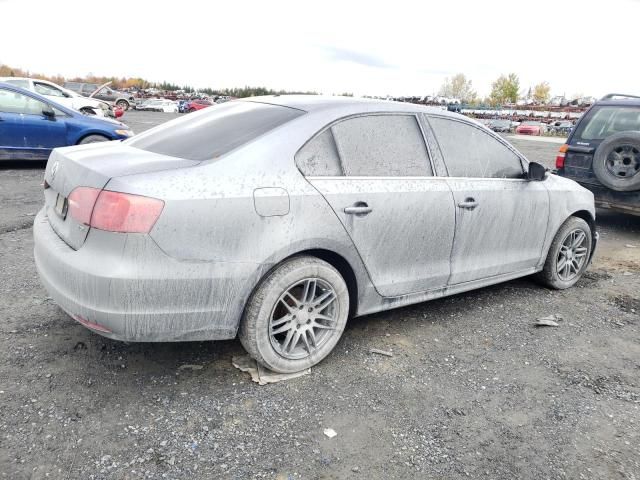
pixel 616 162
pixel 549 275
pixel 93 139
pixel 123 104
pixel 258 333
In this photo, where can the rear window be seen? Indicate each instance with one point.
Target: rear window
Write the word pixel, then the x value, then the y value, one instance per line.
pixel 602 122
pixel 212 132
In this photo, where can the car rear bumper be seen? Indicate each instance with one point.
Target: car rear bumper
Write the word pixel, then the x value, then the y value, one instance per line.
pixel 126 288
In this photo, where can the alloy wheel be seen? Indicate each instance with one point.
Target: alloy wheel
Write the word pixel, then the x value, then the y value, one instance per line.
pixel 572 255
pixel 304 318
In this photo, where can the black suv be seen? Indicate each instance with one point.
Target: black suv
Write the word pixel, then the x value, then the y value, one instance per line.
pixel 602 153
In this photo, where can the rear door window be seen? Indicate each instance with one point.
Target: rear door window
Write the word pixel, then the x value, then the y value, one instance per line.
pixel 14 102
pixel 602 122
pixel 213 132
pixel 382 145
pixel 319 157
pixel 469 151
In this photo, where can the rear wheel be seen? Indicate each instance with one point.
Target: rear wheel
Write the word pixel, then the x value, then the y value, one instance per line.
pixel 296 315
pixel 568 255
pixel 93 139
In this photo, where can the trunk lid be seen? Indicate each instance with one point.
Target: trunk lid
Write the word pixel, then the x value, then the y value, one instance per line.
pixel 93 165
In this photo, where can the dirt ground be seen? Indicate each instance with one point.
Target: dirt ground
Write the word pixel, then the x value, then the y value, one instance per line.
pixel 473 389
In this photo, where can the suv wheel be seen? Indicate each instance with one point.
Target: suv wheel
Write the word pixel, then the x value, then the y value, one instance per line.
pixel 616 162
pixel 123 104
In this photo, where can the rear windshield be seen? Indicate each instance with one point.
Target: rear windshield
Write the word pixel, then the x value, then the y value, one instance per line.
pixel 213 131
pixel 601 122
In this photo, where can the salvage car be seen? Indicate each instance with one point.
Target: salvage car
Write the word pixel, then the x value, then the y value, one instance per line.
pixel 158 105
pixel 198 104
pixel 32 125
pixel 530 128
pixel 68 98
pixel 501 126
pixel 123 100
pixel 278 218
pixel 602 153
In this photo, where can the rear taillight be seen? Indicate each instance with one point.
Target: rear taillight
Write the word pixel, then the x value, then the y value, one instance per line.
pixel 560 157
pixel 81 202
pixel 126 213
pixel 114 211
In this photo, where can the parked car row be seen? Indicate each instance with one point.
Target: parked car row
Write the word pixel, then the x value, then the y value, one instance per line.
pixel 31 125
pixel 64 96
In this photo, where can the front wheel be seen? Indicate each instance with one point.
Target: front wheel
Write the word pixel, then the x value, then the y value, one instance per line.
pixel 123 104
pixel 568 255
pixel 296 315
pixel 93 139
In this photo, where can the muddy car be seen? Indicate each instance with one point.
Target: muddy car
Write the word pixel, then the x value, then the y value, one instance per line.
pixel 603 153
pixel 278 218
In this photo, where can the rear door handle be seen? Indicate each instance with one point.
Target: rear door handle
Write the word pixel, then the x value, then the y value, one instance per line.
pixel 358 208
pixel 469 203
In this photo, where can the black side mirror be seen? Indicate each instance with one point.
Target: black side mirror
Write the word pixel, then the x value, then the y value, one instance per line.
pixel 48 112
pixel 536 172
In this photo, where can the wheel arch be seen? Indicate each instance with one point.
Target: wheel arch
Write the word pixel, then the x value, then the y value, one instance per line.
pixel 587 217
pixel 89 134
pixel 345 269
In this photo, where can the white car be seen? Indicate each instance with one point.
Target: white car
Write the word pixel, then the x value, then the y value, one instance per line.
pixel 68 98
pixel 158 105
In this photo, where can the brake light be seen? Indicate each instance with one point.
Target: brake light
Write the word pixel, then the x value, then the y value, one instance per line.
pixel 125 213
pixel 114 211
pixel 561 155
pixel 80 203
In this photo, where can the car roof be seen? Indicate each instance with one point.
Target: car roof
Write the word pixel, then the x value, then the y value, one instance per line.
pixel 623 102
pixel 317 103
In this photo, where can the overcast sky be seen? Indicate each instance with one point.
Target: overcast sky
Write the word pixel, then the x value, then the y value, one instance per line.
pixel 368 48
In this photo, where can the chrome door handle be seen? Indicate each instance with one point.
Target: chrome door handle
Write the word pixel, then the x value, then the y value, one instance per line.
pixel 359 208
pixel 469 203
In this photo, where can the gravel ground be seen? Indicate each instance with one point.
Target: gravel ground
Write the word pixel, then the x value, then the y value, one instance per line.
pixel 473 389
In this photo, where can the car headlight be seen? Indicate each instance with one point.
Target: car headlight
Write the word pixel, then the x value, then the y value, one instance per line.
pixel 126 133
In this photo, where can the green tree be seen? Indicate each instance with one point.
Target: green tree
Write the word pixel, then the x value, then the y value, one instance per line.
pixel 542 92
pixel 458 87
pixel 505 89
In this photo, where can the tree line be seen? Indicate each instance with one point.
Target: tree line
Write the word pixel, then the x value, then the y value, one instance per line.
pixel 505 89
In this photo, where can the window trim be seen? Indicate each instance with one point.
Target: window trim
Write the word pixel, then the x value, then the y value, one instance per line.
pixel 524 163
pixel 330 126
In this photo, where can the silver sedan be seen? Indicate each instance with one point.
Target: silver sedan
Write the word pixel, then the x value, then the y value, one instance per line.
pixel 278 218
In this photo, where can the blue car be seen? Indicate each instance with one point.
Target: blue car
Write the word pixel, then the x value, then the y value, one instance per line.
pixel 32 125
